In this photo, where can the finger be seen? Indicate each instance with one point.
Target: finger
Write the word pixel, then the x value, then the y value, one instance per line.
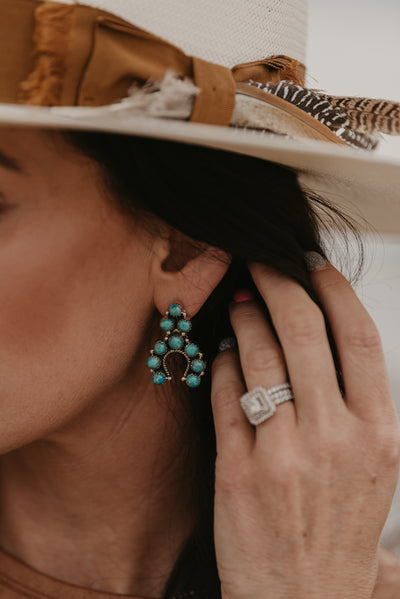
pixel 300 326
pixel 234 433
pixel 367 388
pixel 262 362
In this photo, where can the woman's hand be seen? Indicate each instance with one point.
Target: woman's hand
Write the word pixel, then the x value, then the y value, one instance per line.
pixel 301 499
pixel 387 584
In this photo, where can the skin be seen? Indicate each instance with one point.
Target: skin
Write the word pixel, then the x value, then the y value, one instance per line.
pixel 306 525
pixel 90 452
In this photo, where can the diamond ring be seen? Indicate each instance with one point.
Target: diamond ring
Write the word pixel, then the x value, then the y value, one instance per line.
pixel 259 404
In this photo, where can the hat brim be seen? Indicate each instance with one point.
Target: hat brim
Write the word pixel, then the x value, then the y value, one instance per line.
pixel 365 185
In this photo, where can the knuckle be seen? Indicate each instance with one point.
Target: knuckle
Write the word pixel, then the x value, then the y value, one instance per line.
pixel 284 471
pixel 335 281
pixel 303 325
pixel 246 311
pixel 262 358
pixel 332 440
pixel 324 442
pixel 363 335
pixel 224 396
pixel 332 447
pixel 387 447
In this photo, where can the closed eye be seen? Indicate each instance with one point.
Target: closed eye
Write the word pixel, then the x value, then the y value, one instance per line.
pixel 10 163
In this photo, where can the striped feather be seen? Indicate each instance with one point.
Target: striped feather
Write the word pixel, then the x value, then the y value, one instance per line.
pixel 368 115
pixel 318 105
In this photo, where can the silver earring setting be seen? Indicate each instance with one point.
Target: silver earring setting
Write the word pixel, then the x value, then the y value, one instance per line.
pixel 175 324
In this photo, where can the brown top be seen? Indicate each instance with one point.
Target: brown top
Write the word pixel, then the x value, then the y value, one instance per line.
pixel 20 581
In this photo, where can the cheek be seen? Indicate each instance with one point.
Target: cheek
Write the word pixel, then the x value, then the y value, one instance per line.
pixel 70 319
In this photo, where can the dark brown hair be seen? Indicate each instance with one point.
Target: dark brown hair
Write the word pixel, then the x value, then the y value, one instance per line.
pixel 253 210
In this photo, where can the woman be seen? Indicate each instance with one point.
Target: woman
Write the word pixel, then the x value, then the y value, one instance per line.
pixel 108 479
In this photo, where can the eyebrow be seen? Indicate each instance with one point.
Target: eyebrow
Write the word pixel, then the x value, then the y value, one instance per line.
pixel 10 163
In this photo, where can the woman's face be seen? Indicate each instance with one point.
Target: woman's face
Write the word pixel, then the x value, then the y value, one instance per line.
pixel 75 296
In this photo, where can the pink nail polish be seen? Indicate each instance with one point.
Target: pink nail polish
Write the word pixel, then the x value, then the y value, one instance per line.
pixel 242 295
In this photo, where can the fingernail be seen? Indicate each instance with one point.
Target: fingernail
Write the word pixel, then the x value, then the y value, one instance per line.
pixel 242 295
pixel 314 261
pixel 227 343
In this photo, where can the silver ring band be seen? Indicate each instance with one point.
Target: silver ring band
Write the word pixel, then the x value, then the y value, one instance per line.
pixel 227 343
pixel 259 404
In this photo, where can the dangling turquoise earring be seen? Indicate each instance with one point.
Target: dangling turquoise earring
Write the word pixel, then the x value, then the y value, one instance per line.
pixel 176 325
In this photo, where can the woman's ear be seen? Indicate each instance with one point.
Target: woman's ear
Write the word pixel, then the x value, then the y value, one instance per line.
pixel 185 271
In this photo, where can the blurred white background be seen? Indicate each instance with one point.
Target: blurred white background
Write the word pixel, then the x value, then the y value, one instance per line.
pixel 354 49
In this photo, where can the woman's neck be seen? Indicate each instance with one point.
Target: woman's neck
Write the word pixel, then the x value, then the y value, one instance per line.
pixel 104 502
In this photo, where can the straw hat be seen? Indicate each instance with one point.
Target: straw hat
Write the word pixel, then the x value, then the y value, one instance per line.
pixel 218 73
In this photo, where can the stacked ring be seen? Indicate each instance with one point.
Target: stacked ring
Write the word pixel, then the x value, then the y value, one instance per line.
pixel 259 404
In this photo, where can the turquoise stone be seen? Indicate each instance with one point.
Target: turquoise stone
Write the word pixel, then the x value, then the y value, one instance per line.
pixel 158 378
pixel 197 365
pixel 160 348
pixel 175 342
pixel 193 380
pixel 153 362
pixel 184 325
pixel 175 310
pixel 167 324
pixel 191 350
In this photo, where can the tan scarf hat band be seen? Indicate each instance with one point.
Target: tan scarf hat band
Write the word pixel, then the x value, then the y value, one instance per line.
pixel 54 54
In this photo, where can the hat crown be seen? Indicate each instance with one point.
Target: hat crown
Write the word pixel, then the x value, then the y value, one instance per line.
pixel 227 33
